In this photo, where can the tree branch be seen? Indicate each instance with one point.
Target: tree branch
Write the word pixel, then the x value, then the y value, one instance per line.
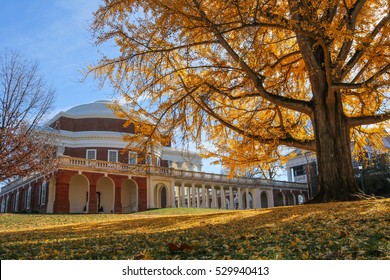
pixel 338 86
pixel 288 140
pixel 360 52
pixel 351 23
pixel 366 120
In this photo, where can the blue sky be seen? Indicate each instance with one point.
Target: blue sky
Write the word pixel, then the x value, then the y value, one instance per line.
pixel 55 33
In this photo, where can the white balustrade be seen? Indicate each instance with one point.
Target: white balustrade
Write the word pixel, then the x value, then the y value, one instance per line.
pixel 67 161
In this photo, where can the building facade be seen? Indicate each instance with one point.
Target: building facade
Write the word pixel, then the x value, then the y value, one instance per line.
pixel 95 175
pixel 302 168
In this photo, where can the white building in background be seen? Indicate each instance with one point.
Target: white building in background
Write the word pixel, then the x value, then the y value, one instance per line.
pixel 303 167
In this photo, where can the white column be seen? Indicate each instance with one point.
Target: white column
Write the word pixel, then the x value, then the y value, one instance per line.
pixel 270 196
pixel 183 195
pixel 207 198
pixel 193 195
pixel 188 197
pixel 173 197
pixel 203 196
pixel 197 197
pixel 213 197
pixel 231 198
pixel 256 198
pixel 239 198
pixel 179 193
pixel 223 198
pixel 247 199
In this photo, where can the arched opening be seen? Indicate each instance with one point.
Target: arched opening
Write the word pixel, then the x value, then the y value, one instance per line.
pixel 245 202
pixel 129 196
pixel 22 199
pixel 105 195
pixel 163 195
pixel 160 196
pixel 264 200
pixel 300 199
pixel 290 199
pixel 227 203
pixel 280 199
pixel 78 194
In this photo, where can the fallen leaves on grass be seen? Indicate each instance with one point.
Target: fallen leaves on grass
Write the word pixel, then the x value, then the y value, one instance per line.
pixel 350 230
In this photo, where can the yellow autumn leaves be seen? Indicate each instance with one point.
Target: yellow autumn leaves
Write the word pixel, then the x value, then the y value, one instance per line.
pixel 355 230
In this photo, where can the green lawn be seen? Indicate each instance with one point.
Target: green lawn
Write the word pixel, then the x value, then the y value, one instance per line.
pixel 352 230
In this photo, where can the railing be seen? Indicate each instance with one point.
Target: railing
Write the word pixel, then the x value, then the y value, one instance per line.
pixel 171 172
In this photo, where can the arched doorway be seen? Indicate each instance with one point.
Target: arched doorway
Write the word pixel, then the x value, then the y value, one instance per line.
pixel 280 199
pixel 264 200
pixel 163 195
pixel 129 196
pixel 160 196
pixel 105 195
pixel 78 194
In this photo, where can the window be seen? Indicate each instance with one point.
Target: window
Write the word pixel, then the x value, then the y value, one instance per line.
pixel 299 170
pixel 91 153
pixel 149 159
pixel 28 199
pixel 132 158
pixel 43 193
pixel 112 155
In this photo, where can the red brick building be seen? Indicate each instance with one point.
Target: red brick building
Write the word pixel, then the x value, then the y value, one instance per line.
pixel 95 175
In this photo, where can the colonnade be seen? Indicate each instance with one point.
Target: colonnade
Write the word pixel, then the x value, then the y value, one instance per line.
pixel 222 197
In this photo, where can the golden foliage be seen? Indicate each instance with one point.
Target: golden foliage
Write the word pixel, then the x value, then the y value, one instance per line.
pixel 249 76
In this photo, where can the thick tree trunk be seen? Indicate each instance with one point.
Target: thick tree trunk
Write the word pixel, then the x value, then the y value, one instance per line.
pixel 333 148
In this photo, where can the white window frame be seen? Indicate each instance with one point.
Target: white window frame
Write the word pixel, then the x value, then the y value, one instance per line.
pixel 133 156
pixel 116 155
pixel 91 150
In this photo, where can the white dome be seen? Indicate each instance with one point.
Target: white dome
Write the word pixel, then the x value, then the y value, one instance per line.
pixel 95 109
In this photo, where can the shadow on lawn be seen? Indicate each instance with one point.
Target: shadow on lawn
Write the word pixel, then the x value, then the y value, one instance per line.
pixel 324 231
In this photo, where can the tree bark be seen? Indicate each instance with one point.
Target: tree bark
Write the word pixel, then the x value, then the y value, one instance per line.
pixel 333 149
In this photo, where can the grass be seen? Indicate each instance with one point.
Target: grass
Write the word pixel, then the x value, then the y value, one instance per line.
pixel 349 230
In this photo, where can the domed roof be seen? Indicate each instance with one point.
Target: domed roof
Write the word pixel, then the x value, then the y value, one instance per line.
pixel 96 109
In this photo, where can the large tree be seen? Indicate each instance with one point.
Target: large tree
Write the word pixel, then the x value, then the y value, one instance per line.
pixel 254 75
pixel 25 100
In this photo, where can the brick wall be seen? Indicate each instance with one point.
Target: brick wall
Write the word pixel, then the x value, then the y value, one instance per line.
pixel 93 124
